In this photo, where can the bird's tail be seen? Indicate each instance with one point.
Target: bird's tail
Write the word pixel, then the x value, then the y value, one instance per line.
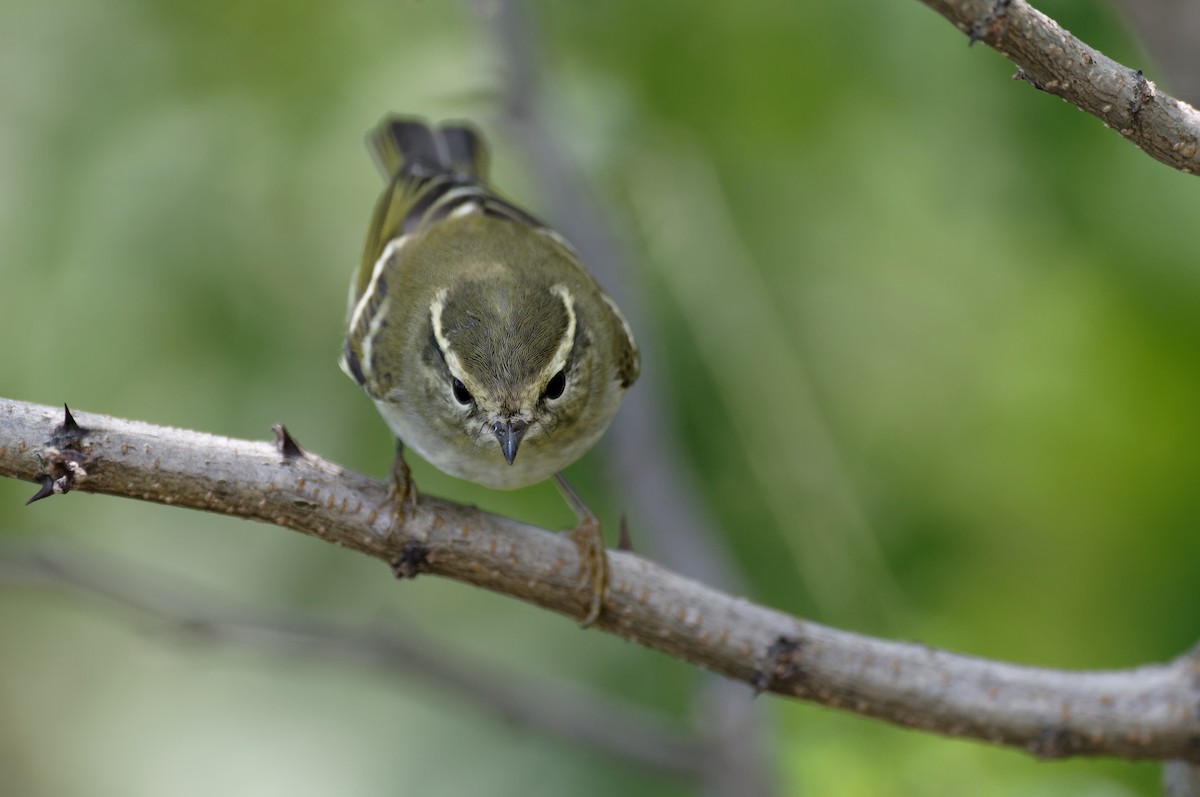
pixel 405 143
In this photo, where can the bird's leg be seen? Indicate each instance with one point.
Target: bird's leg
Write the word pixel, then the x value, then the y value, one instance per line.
pixel 593 560
pixel 401 490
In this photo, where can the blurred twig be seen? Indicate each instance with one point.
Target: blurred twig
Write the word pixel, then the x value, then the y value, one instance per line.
pixel 599 725
pixel 1144 712
pixel 644 459
pixel 1051 59
pixel 1181 779
pixel 807 484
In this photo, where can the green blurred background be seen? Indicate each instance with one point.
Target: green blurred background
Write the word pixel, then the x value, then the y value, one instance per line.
pixel 928 339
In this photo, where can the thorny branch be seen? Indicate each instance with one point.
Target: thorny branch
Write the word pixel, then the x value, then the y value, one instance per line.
pixel 1145 712
pixel 1051 59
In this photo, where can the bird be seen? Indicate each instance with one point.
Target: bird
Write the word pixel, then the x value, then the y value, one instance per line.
pixel 484 342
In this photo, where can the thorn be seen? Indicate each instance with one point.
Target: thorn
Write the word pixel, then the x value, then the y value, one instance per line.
pixel 287 446
pixel 624 541
pixel 45 491
pixel 68 468
pixel 1144 93
pixel 782 663
pixel 68 433
pixel 69 425
pixel 412 560
pixel 1021 74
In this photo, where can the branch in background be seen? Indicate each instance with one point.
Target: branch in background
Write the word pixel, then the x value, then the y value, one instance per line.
pixel 643 453
pixel 599 725
pixel 1054 61
pixel 1140 713
pixel 1181 779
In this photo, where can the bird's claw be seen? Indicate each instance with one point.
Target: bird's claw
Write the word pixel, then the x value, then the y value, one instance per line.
pixel 593 559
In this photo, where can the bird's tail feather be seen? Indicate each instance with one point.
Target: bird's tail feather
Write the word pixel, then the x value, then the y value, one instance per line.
pixel 409 144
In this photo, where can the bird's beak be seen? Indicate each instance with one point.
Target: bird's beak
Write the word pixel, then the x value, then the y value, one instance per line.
pixel 509 433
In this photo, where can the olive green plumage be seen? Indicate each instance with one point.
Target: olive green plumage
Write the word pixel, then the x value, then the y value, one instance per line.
pixel 484 342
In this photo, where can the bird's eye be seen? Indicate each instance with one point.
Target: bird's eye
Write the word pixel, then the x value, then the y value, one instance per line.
pixel 461 394
pixel 556 386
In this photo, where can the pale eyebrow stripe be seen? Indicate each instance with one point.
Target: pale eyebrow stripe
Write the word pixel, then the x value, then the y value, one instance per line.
pixel 435 319
pixel 559 361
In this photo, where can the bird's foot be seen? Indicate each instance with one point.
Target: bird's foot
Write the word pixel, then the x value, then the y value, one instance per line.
pixel 593 559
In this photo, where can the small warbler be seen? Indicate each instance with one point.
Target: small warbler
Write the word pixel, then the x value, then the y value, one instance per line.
pixel 484 342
